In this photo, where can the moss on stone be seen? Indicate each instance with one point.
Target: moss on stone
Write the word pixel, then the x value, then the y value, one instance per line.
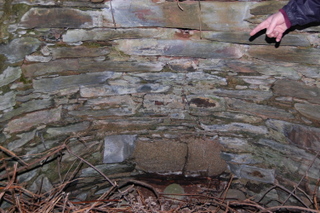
pixel 20 9
pixel 235 81
pixel 24 80
pixel 3 65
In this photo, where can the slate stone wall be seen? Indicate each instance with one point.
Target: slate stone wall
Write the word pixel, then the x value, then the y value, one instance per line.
pixel 158 86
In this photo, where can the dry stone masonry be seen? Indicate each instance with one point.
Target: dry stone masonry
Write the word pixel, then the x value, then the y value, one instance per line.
pixel 139 86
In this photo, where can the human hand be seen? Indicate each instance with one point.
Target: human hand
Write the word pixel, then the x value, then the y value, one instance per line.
pixel 275 25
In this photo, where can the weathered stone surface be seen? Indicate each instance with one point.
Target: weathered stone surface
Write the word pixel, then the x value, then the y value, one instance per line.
pixel 238 145
pixel 296 90
pixel 298 163
pixel 84 65
pixel 125 126
pixel 7 101
pixel 184 48
pixel 77 35
pixel 266 8
pixel 70 129
pixel 253 95
pixel 121 87
pixel 59 18
pixel 35 2
pixel 33 119
pixel 110 106
pixel 238 116
pixel 115 105
pixel 311 111
pixel 263 111
pixel 285 54
pixel 24 138
pixel 265 69
pixel 52 85
pixel 18 48
pixel 253 173
pixel 225 16
pixel 77 52
pixel 9 75
pixel 118 148
pixel 204 158
pixel 247 159
pixel 107 169
pixel 42 184
pixel 242 38
pixel 37 58
pixel 205 105
pixel 160 156
pixel 29 106
pixel 236 127
pixel 160 103
pixel 52 67
pixel 90 114
pixel 160 72
pixel 304 136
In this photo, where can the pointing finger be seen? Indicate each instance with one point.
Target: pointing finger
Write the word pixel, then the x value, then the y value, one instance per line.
pixel 258 28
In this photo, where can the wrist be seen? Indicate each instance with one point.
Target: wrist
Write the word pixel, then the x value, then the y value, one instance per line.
pixel 286 19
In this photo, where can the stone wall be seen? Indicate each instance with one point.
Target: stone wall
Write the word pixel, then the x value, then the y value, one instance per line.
pixel 158 86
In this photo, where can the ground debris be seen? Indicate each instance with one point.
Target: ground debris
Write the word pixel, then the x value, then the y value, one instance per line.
pixel 144 193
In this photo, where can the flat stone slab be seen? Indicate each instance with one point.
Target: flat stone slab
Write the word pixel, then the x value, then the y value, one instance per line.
pixel 263 111
pixel 186 48
pixel 296 89
pixel 118 148
pixel 285 54
pixel 311 111
pixel 33 119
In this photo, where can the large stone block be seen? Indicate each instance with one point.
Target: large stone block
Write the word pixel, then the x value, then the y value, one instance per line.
pixel 161 156
pixel 204 158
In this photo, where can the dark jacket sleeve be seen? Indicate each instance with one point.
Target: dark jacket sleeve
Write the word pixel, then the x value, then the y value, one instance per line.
pixel 302 12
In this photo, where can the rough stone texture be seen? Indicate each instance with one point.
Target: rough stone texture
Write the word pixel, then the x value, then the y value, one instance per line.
pixel 286 54
pixel 297 90
pixel 204 158
pixel 7 101
pixel 173 78
pixel 18 48
pixel 118 148
pixel 70 82
pixel 161 156
pixel 9 75
pixel 184 48
pixel 59 17
pixel 311 111
pixel 33 119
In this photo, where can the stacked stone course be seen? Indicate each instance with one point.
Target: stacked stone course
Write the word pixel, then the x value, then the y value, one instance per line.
pixel 150 80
